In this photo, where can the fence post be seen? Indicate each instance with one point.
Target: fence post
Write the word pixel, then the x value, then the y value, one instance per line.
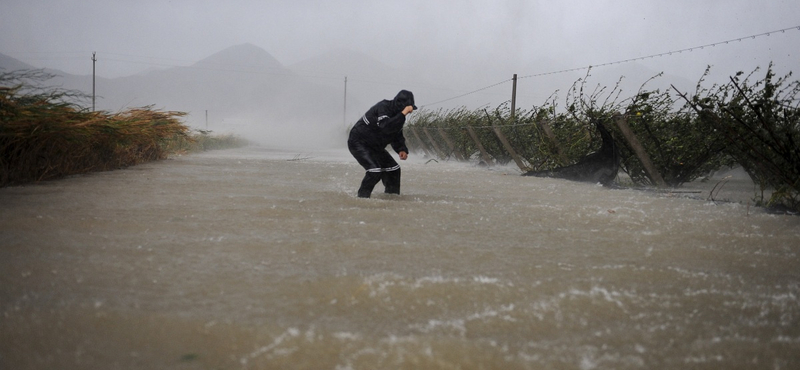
pixel 433 142
pixel 419 140
pixel 514 98
pixel 549 132
pixel 622 123
pixel 411 142
pixel 509 149
pixel 450 144
pixel 484 154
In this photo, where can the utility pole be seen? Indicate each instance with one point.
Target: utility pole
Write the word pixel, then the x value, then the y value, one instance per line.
pixel 344 115
pixel 206 119
pixel 514 98
pixel 94 61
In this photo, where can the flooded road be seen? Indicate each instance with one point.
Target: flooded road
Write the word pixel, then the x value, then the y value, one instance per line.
pixel 252 259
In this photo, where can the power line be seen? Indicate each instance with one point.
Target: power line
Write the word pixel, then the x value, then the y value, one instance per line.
pixel 626 61
pixel 666 53
pixel 469 93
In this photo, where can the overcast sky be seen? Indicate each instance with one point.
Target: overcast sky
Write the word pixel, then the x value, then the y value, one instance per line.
pixel 454 38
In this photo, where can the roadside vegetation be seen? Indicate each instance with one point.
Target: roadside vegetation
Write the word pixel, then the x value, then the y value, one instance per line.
pixel 752 121
pixel 45 133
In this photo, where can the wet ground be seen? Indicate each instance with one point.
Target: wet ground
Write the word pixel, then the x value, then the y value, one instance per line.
pixel 256 259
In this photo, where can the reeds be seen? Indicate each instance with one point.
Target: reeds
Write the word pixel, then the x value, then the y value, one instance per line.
pixel 202 140
pixel 44 136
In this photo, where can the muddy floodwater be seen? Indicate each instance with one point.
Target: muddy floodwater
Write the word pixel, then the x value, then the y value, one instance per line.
pixel 256 259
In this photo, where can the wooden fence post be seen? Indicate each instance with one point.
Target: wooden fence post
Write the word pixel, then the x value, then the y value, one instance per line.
pixel 419 140
pixel 514 98
pixel 411 142
pixel 439 151
pixel 549 132
pixel 622 123
pixel 450 144
pixel 509 149
pixel 484 154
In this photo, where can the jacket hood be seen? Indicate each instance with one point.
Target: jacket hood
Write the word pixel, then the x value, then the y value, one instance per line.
pixel 403 99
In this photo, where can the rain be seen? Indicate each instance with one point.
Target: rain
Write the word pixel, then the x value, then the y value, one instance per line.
pixel 264 257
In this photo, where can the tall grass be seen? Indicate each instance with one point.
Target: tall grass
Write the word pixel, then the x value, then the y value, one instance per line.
pixel 203 140
pixel 46 134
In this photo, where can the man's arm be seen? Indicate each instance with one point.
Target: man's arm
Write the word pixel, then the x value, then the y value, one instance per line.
pixel 394 124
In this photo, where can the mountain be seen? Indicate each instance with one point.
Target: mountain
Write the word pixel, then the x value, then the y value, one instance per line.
pixel 245 90
pixel 8 64
pixel 370 80
pixel 244 57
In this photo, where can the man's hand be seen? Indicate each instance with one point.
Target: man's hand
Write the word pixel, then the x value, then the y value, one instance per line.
pixel 403 155
pixel 408 109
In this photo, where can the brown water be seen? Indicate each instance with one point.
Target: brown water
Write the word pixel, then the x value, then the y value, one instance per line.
pixel 250 259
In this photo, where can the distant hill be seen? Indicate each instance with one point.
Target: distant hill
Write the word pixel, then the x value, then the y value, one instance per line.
pixel 370 80
pixel 244 57
pixel 8 64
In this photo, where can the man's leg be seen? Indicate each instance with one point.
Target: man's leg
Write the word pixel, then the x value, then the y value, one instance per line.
pixel 391 181
pixel 390 172
pixel 365 158
pixel 380 166
pixel 368 183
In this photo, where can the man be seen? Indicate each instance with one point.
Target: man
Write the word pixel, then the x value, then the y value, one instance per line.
pixel 380 126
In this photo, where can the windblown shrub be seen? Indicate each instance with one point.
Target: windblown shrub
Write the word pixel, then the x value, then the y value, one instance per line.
pixel 754 124
pixel 680 145
pixel 760 123
pixel 44 134
pixel 203 140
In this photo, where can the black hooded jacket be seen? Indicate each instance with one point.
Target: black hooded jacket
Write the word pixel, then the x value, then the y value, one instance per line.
pixel 383 124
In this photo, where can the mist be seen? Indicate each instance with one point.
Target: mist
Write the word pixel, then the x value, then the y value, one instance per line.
pixel 275 71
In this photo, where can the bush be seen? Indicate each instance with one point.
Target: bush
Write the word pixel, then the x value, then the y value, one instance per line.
pixel 203 140
pixel 760 124
pixel 44 134
pixel 754 124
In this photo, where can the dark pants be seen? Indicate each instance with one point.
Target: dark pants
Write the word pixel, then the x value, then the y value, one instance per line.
pixel 380 166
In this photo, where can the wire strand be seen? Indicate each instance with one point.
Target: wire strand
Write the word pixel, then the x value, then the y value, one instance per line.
pixel 469 93
pixel 622 61
pixel 664 53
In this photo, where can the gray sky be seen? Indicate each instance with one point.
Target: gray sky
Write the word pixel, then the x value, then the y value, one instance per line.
pixel 469 42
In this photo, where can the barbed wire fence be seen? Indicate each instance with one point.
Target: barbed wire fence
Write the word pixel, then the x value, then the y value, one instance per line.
pixel 444 147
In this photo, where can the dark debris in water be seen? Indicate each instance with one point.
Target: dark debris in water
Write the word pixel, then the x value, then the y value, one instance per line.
pixel 190 357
